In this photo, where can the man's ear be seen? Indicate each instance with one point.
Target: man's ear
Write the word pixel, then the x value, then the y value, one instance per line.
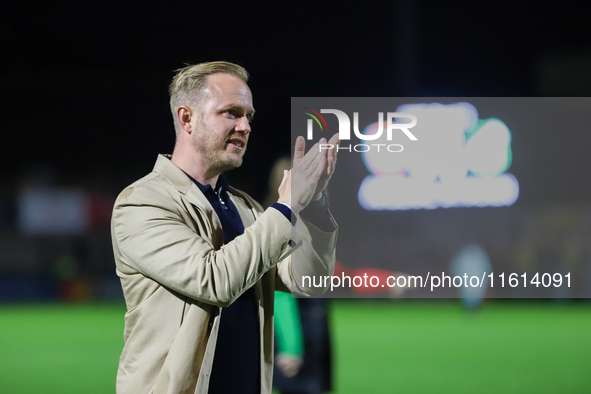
pixel 184 115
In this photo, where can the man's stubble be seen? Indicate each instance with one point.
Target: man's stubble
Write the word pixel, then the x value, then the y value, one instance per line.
pixel 213 149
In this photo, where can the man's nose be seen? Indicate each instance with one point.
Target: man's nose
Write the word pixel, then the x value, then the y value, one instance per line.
pixel 243 125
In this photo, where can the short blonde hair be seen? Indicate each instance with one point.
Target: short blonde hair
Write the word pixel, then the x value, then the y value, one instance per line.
pixel 188 84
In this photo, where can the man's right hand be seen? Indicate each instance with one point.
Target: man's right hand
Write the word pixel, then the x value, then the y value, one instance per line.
pixel 298 186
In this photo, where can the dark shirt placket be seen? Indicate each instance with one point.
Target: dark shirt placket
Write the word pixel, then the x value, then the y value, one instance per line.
pixel 236 363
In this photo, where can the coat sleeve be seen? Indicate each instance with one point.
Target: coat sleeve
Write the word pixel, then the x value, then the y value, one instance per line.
pixel 315 258
pixel 150 236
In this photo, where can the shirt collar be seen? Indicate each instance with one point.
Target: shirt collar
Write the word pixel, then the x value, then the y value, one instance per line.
pixel 221 185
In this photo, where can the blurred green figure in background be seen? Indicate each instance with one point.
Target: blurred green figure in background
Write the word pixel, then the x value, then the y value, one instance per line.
pixel 302 339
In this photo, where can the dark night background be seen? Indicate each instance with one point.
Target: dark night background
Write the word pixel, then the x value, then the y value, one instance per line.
pixel 85 85
pixel 85 111
pixel 86 102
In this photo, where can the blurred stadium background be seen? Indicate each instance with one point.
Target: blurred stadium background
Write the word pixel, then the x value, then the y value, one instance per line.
pixel 86 112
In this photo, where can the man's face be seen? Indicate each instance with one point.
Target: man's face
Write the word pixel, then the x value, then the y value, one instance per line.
pixel 222 124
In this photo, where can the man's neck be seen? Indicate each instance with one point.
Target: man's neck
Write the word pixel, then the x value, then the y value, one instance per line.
pixel 193 166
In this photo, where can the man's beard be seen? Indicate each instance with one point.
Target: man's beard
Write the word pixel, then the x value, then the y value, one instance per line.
pixel 214 153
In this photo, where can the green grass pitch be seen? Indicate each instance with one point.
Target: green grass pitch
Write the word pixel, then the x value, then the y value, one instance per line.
pixel 379 347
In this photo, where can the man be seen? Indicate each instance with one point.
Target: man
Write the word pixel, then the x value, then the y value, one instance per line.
pixel 199 261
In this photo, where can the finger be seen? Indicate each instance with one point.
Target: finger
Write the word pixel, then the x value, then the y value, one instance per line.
pixel 286 179
pixel 299 149
pixel 319 167
pixel 335 141
pixel 314 171
pixel 319 153
pixel 323 141
pixel 331 165
pixel 312 154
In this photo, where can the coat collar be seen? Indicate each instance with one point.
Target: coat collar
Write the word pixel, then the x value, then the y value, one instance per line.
pixel 183 183
pixel 180 180
pixel 187 187
pixel 172 173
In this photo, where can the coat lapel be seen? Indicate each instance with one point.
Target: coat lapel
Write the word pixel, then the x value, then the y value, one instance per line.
pixel 203 207
pixel 187 187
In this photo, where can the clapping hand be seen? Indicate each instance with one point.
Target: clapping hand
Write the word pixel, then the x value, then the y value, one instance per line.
pixel 310 174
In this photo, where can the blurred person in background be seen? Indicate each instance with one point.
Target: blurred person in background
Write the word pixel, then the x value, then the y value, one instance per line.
pixel 302 337
pixel 190 249
pixel 472 260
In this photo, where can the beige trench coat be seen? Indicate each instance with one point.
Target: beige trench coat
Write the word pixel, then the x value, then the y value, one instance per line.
pixel 177 275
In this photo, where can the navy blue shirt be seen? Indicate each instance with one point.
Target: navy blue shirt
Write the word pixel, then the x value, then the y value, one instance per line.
pixel 236 362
